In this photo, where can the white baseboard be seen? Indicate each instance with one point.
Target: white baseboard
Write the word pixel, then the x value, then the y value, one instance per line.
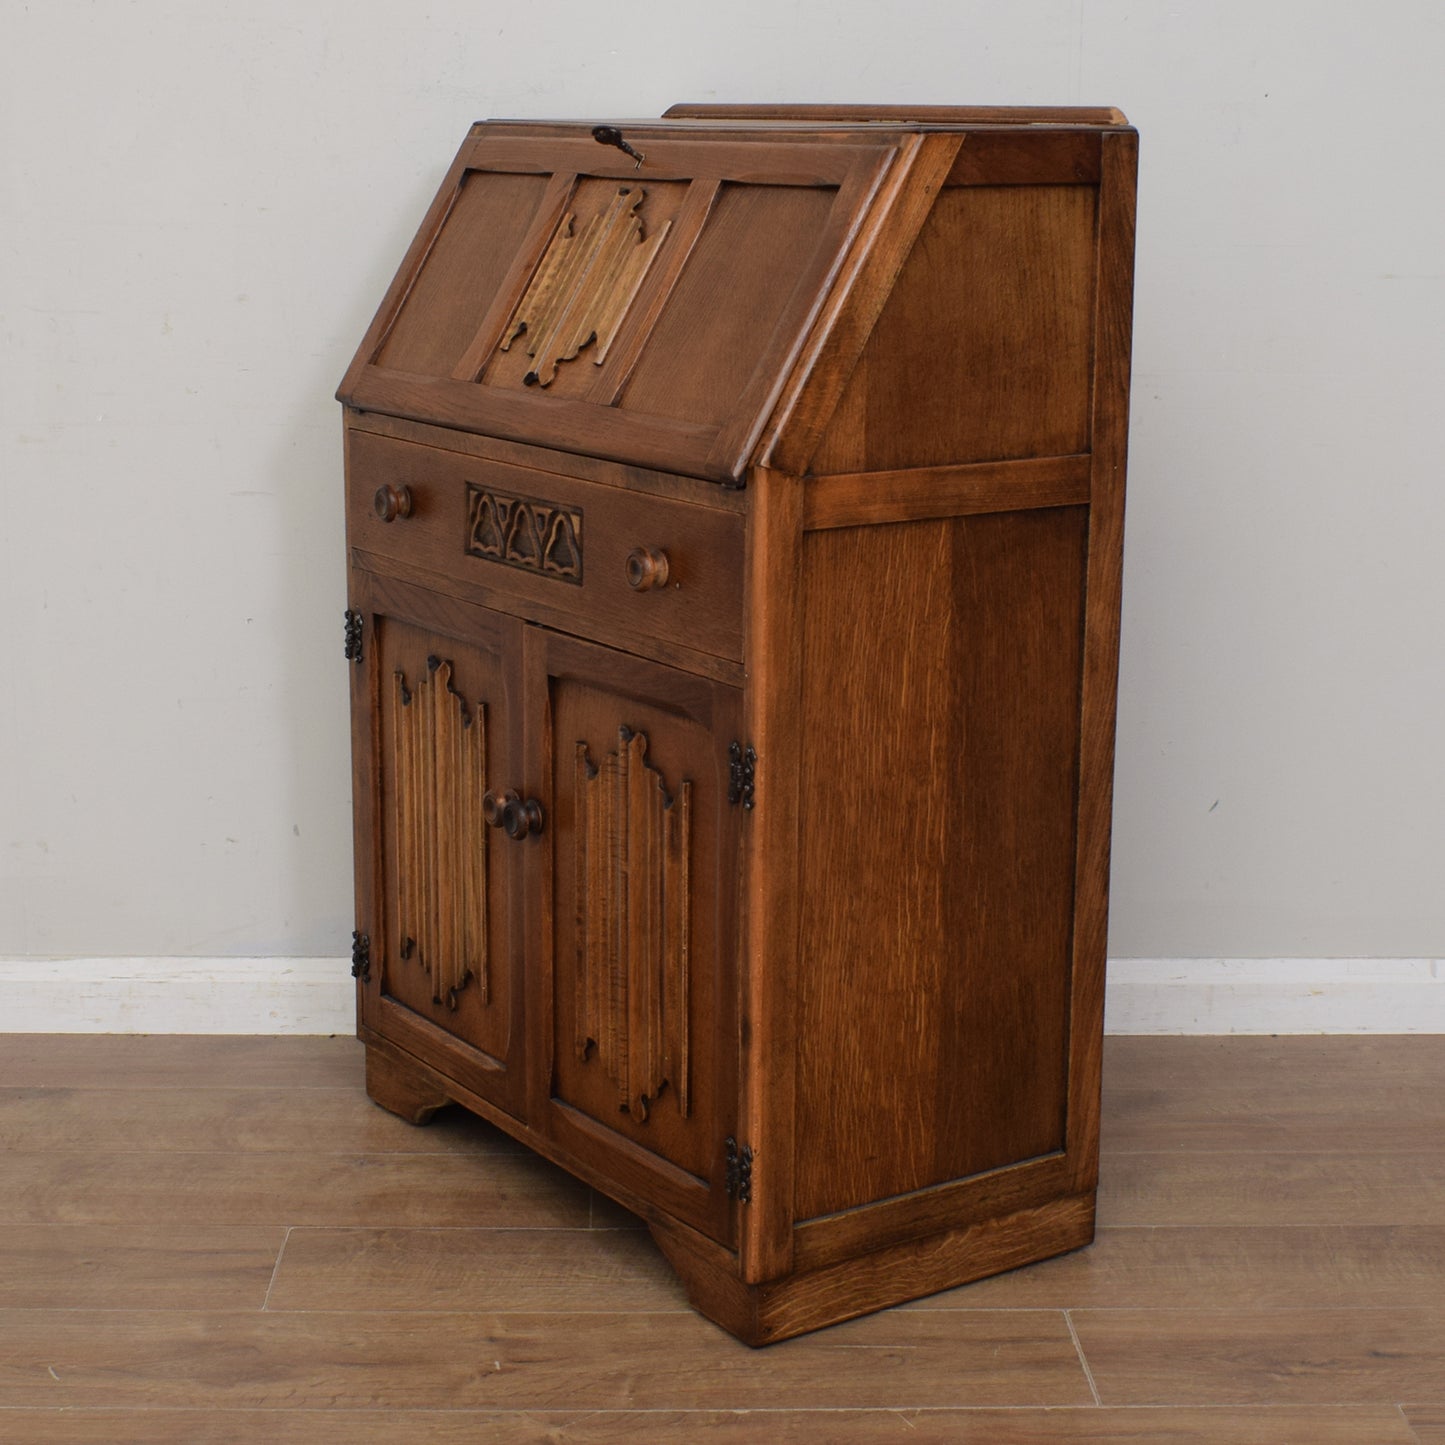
pixel 316 995
pixel 1275 996
pixel 177 996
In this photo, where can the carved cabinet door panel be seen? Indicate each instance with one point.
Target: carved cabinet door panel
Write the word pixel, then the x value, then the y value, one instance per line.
pixel 641 902
pixel 439 887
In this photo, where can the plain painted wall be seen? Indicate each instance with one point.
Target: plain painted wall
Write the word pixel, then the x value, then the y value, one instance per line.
pixel 202 205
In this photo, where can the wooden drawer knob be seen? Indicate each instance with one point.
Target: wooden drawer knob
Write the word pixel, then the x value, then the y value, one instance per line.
pixel 646 568
pixel 516 816
pixel 391 502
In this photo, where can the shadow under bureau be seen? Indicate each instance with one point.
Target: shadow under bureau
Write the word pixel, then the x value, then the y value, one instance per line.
pixel 734 522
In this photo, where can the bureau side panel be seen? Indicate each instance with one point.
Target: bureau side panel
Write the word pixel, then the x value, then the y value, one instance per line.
pixel 983 350
pixel 941 690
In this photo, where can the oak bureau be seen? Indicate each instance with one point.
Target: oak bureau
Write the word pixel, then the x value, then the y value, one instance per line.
pixel 734 522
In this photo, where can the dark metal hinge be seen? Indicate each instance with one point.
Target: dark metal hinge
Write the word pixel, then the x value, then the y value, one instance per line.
pixel 353 635
pixel 738 1179
pixel 742 761
pixel 360 956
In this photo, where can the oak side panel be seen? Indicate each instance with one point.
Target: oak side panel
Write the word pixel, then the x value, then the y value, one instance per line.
pixel 1109 438
pixel 855 300
pixel 1028 157
pixel 941 672
pixel 983 350
pixel 773 727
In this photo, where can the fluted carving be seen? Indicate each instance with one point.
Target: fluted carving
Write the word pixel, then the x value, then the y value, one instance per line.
pixel 583 287
pixel 439 765
pixel 633 853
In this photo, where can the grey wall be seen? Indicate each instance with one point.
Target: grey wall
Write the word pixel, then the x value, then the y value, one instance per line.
pixel 200 207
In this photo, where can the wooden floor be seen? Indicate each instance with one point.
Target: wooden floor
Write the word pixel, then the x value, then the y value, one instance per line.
pixel 221 1239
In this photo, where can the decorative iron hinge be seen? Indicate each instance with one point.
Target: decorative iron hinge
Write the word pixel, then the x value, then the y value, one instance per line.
pixel 738 1180
pixel 360 956
pixel 742 762
pixel 353 635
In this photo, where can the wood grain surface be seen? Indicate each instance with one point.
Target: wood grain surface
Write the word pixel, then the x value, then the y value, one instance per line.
pixel 910 346
pixel 388 1283
pixel 1326 1425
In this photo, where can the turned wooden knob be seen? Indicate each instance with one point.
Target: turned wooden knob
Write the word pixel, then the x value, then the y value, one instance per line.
pixel 391 502
pixel 646 568
pixel 516 816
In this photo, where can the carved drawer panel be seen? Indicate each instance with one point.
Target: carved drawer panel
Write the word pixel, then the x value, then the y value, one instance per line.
pixel 616 565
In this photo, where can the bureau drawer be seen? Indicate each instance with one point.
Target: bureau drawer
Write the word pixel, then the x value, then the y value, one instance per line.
pixel 601 561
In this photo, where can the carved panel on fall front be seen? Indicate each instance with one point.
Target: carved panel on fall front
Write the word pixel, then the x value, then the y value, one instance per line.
pixel 523 532
pixel 583 287
pixel 633 851
pixel 439 771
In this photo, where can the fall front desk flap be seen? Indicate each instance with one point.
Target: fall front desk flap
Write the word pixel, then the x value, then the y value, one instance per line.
pixel 562 293
pixel 671 292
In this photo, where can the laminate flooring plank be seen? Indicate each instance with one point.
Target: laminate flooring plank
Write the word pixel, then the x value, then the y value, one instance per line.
pixel 517 1190
pixel 1136 1124
pixel 1066 1426
pixel 474 1269
pixel 1219 1267
pixel 1363 1095
pixel 190 1061
pixel 534 1362
pixel 1290 1065
pixel 320 1121
pixel 137 1266
pixel 1428 1423
pixel 1263 1357
pixel 1263 1190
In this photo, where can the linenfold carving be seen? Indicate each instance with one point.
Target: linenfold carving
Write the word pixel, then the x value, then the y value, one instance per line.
pixel 439 771
pixel 633 855
pixel 583 287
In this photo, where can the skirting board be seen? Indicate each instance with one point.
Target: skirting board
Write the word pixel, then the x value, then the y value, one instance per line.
pixel 1275 996
pixel 177 996
pixel 316 995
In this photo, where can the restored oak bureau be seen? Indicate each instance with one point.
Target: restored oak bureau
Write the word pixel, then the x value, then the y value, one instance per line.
pixel 734 518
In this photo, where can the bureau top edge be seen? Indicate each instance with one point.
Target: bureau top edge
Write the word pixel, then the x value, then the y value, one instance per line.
pixel 904 118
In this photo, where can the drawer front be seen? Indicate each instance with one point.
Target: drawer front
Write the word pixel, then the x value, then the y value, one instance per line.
pixel 601 561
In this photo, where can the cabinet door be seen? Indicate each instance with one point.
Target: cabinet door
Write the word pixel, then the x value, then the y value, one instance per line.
pixel 640 907
pixel 437 700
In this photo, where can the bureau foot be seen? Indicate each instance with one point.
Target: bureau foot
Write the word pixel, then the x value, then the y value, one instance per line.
pixel 402 1086
pixel 761 1314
